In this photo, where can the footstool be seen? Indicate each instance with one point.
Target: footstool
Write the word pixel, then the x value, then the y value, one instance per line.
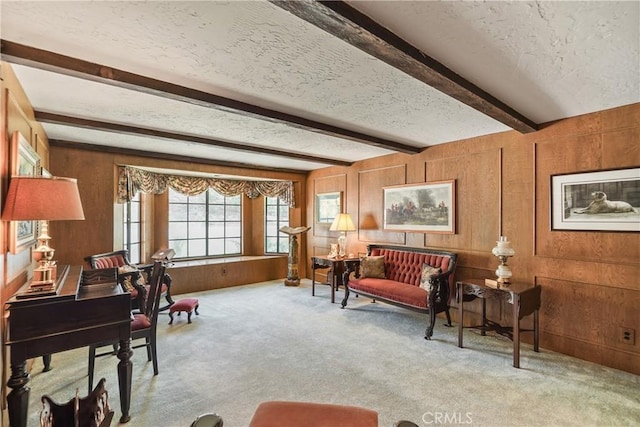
pixel 307 414
pixel 184 304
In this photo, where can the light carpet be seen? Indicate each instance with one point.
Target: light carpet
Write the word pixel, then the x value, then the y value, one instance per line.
pixel 270 342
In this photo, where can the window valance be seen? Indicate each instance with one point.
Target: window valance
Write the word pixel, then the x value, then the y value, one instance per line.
pixel 132 180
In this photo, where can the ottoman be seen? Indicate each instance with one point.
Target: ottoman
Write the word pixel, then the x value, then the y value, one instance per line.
pixel 306 414
pixel 184 304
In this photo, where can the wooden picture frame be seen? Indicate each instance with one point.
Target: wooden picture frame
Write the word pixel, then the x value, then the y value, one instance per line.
pixel 328 205
pixel 429 207
pixel 24 162
pixel 605 200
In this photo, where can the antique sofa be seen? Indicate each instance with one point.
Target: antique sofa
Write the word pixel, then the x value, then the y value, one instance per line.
pixel 420 279
pixel 129 273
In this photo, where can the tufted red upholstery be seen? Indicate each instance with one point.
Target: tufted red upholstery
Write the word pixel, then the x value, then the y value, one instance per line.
pixel 406 266
pixel 110 261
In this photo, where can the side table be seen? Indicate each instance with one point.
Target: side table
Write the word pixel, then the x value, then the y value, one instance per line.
pixel 524 298
pixel 334 276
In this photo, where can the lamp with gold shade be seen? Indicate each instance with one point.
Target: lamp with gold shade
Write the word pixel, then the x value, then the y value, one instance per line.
pixel 43 199
pixel 342 223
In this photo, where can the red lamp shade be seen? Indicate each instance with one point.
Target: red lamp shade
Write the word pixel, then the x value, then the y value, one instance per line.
pixel 40 198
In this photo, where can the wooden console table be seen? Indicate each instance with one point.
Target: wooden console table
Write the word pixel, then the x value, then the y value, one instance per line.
pixel 334 276
pixel 71 318
pixel 525 300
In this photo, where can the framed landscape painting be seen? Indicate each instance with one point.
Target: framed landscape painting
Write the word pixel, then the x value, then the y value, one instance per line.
pixel 428 207
pixel 607 200
pixel 24 162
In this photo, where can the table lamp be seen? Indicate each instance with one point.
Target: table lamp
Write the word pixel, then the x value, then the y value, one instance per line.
pixel 503 251
pixel 42 199
pixel 342 223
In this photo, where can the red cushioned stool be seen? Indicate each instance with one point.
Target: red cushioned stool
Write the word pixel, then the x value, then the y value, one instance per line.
pixel 184 304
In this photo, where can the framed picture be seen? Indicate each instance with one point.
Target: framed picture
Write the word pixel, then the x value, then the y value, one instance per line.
pixel 427 208
pixel 328 205
pixel 24 162
pixel 606 200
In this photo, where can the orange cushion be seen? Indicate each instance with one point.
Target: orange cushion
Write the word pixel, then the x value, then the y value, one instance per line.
pixel 397 291
pixel 306 414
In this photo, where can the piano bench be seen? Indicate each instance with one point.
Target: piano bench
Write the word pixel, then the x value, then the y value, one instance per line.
pixel 185 304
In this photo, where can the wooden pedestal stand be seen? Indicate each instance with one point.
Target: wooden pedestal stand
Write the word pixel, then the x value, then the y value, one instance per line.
pixel 293 279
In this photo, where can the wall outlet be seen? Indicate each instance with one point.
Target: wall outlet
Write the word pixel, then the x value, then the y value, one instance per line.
pixel 627 335
pixel 224 271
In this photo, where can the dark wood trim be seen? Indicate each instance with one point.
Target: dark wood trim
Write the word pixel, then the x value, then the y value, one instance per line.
pixel 45 117
pixel 66 65
pixel 343 21
pixel 164 156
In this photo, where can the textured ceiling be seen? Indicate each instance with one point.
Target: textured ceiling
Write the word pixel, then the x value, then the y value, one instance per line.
pixel 546 60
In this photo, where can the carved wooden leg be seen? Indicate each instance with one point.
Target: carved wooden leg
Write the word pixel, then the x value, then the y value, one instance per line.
pixel 460 298
pixel 196 309
pixel 189 317
pixel 46 360
pixel 536 334
pixel 446 311
pixel 345 280
pixel 516 331
pixel 18 398
pixel 170 317
pixel 125 372
pixel 432 321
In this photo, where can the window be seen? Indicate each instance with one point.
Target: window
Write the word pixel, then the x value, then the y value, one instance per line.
pixel 131 228
pixel 276 216
pixel 208 224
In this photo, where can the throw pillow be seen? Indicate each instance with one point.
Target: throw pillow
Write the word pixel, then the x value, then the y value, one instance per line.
pixel 428 273
pixel 127 280
pixel 372 266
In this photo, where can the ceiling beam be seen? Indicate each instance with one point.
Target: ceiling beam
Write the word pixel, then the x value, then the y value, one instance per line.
pixel 343 21
pixel 165 156
pixel 45 117
pixel 50 61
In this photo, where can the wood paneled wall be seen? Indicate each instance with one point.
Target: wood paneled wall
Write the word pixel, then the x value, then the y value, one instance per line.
pixel 590 279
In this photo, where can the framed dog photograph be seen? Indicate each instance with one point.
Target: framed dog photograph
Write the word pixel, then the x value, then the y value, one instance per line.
pixel 607 200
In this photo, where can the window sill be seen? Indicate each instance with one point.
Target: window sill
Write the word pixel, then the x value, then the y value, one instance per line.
pixel 222 260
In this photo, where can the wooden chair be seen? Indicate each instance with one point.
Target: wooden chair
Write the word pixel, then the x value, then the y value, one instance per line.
pixel 129 274
pixel 90 411
pixel 144 324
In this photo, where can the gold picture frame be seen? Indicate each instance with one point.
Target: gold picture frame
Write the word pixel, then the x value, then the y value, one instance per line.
pixel 428 207
pixel 24 162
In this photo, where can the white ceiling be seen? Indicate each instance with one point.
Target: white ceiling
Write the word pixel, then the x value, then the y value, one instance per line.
pixel 547 60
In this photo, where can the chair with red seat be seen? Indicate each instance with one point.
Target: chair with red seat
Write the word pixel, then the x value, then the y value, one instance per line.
pixel 143 325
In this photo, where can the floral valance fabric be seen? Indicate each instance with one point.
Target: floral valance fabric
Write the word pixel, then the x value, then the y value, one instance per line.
pixel 133 180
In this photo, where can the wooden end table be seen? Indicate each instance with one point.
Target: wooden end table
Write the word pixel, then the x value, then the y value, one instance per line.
pixel 524 298
pixel 334 276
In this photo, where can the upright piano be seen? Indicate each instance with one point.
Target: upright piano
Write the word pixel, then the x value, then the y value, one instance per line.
pixel 72 316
